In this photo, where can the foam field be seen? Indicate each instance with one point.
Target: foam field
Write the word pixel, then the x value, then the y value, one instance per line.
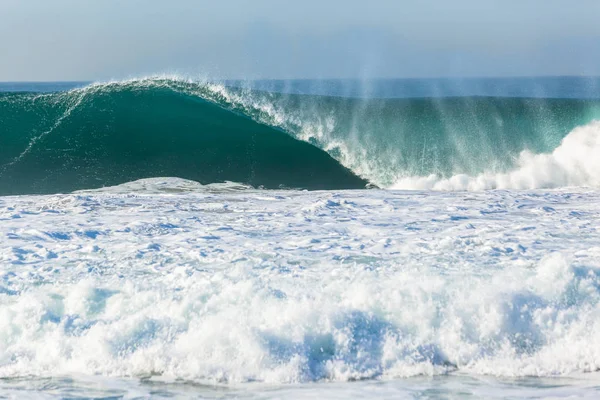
pixel 169 281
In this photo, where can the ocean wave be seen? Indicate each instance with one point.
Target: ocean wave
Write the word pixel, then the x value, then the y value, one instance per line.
pixel 110 133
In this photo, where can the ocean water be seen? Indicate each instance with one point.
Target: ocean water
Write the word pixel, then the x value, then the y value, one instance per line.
pixel 173 238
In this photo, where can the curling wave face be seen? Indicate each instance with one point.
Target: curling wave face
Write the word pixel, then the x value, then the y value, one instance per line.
pixel 111 133
pixel 107 134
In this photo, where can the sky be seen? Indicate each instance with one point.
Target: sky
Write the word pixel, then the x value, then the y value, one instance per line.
pixel 70 40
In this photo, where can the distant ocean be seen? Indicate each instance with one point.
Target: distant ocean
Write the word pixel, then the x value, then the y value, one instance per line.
pixel 168 237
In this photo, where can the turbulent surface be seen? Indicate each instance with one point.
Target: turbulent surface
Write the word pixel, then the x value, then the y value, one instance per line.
pixel 170 281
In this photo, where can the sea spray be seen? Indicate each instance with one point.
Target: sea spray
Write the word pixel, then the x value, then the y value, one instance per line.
pixel 574 163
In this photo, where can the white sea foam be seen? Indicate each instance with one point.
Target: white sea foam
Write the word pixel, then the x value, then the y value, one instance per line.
pixel 574 163
pixel 283 286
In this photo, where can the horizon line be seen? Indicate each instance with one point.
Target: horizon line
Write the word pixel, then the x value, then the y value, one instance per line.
pixel 87 81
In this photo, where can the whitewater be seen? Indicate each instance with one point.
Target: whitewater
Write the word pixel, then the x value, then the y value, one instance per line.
pixel 226 286
pixel 469 269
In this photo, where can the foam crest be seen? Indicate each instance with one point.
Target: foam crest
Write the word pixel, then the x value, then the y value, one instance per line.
pixel 236 327
pixel 574 162
pixel 167 186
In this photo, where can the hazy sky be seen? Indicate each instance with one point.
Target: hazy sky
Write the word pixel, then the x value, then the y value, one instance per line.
pixel 103 39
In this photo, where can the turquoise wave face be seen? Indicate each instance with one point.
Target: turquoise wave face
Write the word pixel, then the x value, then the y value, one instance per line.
pixel 108 134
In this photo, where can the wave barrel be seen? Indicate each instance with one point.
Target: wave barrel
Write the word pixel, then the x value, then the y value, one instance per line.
pixel 112 134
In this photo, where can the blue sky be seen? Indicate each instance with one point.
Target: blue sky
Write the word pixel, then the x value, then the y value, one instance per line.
pixel 104 39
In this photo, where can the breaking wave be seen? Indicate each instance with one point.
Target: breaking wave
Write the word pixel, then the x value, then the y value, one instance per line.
pixel 107 134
